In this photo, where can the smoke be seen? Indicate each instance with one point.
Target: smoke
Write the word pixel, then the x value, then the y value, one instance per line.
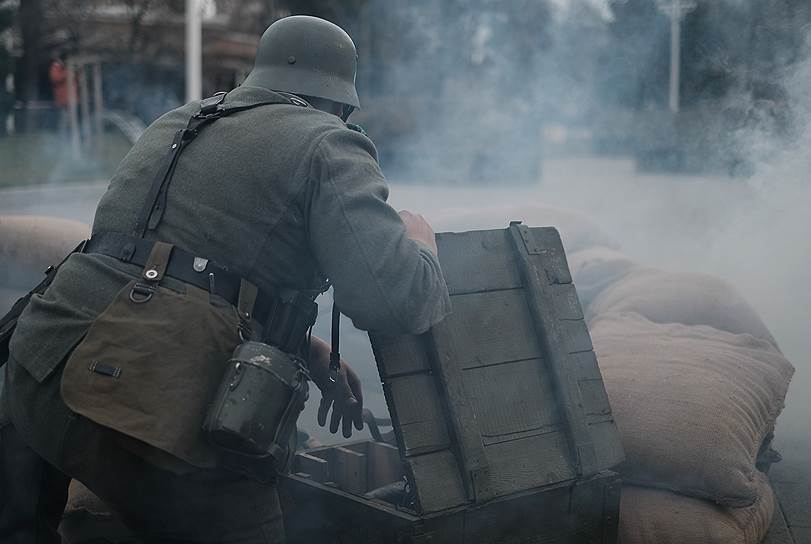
pixel 492 104
pixel 503 94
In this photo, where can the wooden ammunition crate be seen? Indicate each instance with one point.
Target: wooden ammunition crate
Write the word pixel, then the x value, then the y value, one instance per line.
pixel 503 429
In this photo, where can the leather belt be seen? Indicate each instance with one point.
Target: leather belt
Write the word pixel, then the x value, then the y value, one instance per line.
pixel 182 266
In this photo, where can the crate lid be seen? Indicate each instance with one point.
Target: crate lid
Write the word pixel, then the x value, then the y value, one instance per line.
pixel 505 394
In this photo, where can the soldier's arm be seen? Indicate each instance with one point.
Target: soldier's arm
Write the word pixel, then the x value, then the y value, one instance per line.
pixel 383 280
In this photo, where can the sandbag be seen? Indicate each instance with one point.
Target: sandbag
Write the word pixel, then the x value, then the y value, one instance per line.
pixel 596 268
pixel 693 404
pixel 691 299
pixel 38 241
pixel 650 516
pixel 576 230
pixel 29 244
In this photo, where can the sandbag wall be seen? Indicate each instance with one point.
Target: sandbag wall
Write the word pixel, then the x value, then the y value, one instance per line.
pixel 696 382
pixel 29 244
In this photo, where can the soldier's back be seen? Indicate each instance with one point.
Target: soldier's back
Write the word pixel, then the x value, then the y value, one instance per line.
pixel 238 198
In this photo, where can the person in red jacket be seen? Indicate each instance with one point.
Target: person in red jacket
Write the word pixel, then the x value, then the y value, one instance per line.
pixel 58 74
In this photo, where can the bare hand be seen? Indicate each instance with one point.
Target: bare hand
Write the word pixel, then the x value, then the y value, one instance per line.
pixel 345 396
pixel 418 229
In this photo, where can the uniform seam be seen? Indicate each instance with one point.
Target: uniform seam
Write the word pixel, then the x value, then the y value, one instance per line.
pixel 381 291
pixel 286 206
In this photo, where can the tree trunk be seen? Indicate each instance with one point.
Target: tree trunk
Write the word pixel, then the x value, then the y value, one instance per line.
pixel 31 17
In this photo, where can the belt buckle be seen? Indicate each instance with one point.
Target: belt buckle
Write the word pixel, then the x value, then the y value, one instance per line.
pixel 200 264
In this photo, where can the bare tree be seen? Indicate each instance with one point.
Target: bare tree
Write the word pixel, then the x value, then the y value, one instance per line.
pixel 30 16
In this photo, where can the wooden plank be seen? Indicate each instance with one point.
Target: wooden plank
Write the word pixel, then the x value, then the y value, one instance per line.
pixel 477 261
pixel 795 498
pixel 463 424
pixel 315 468
pixel 778 532
pixel 462 419
pixel 437 481
pixel 548 254
pixel 595 399
pixel 585 365
pixel 566 303
pixel 418 413
pixel 596 406
pixel 384 464
pixel 575 336
pixel 529 462
pixel 604 433
pixel 349 470
pixel 558 514
pixel 492 328
pixel 556 351
pixel 801 535
pixel 398 355
pixel 511 398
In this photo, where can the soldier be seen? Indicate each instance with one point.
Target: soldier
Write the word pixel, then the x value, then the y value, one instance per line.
pixel 190 252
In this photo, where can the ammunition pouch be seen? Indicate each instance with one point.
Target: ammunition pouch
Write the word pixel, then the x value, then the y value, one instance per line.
pixel 255 410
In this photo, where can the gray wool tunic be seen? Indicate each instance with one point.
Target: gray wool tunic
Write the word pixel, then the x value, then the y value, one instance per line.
pixel 281 195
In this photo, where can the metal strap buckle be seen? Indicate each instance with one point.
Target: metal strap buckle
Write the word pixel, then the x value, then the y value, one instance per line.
pixel 141 293
pixel 211 106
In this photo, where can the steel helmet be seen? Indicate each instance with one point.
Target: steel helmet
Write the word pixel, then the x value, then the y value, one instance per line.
pixel 307 56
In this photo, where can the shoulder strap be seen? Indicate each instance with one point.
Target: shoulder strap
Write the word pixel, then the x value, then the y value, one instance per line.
pixel 211 109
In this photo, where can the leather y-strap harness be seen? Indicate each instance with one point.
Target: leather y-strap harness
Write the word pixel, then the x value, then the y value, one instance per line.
pixel 211 109
pixel 286 314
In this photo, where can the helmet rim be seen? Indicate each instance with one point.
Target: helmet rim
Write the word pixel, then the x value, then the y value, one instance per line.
pixel 308 56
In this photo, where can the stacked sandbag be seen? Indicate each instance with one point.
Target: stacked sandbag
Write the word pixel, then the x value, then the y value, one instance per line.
pixel 29 244
pixel 693 404
pixel 671 297
pixel 696 383
pixel 653 516
pixel 38 240
pixel 596 268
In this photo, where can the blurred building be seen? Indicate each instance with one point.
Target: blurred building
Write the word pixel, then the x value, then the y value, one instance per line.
pixel 140 46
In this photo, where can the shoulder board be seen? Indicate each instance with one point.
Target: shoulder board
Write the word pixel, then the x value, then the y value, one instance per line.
pixel 357 128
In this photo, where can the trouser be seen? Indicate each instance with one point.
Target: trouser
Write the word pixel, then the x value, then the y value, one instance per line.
pixel 45 444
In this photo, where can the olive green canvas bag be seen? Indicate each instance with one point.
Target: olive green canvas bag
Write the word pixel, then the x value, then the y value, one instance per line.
pixel 152 361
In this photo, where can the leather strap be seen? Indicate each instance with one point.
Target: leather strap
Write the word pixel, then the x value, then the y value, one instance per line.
pixel 286 314
pixel 158 262
pixel 182 266
pixel 247 299
pixel 211 109
pixel 335 349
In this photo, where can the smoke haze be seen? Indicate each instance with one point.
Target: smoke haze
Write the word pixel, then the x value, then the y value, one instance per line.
pixel 489 106
pixel 749 231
